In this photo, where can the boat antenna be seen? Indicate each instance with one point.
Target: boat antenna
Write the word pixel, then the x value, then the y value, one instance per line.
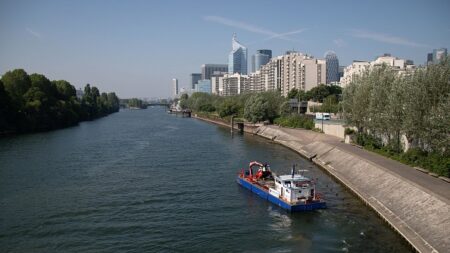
pixel 293 170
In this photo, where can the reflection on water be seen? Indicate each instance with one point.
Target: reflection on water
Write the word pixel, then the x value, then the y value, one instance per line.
pixel 146 181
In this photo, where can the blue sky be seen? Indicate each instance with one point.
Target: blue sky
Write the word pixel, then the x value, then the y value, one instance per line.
pixel 136 47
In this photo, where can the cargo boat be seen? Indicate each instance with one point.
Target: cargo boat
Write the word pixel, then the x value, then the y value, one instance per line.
pixel 293 192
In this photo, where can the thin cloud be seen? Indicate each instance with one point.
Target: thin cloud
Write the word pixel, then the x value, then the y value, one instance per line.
pixel 281 35
pixel 251 28
pixel 339 42
pixel 386 38
pixel 33 33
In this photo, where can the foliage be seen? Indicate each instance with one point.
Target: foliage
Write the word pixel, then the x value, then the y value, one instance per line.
pixel 295 121
pixel 386 105
pixel 30 103
pixel 263 106
pixel 318 93
pixel 136 103
pixel 227 108
pixel 349 131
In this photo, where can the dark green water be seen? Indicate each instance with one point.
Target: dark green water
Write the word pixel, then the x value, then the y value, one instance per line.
pixel 146 181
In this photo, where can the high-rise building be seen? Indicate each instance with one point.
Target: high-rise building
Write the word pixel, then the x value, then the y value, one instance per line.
pixel 429 58
pixel 289 71
pixel 194 79
pixel 439 54
pixel 234 84
pixel 332 63
pixel 217 83
pixel 261 57
pixel 237 59
pixel 175 87
pixel 209 69
pixel 203 86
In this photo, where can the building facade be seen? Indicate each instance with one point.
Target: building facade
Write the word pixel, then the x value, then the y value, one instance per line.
pixel 237 59
pixel 439 55
pixel 175 87
pixel 261 57
pixel 357 68
pixel 332 63
pixel 194 77
pixel 235 84
pixel 209 69
pixel 217 83
pixel 203 86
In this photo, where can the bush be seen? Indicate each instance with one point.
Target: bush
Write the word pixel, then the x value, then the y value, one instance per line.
pixel 349 131
pixel 295 121
pixel 431 161
pixel 207 108
pixel 367 140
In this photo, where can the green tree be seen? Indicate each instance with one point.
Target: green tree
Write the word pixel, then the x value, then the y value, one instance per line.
pixel 330 104
pixel 263 106
pixel 292 93
pixel 227 108
pixel 318 93
pixel 65 90
pixel 16 83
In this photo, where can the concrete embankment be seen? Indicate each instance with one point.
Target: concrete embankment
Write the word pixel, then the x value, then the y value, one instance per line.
pixel 417 210
pixel 421 217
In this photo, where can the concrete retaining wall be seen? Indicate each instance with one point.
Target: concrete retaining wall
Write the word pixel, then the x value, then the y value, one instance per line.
pixel 331 129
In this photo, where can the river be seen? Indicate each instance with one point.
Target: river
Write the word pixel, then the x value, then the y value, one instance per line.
pixel 147 181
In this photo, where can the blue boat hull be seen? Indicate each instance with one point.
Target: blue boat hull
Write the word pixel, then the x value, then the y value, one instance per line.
pixel 281 203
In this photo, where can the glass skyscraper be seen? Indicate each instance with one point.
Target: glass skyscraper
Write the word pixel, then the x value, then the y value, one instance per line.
pixel 203 86
pixel 194 79
pixel 332 67
pixel 237 59
pixel 261 57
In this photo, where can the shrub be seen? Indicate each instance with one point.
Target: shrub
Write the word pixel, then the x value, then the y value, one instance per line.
pixel 295 121
pixel 349 131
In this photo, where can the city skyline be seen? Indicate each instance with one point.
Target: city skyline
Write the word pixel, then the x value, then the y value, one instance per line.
pixel 137 49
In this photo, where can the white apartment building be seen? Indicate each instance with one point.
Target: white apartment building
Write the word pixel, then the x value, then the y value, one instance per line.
pixel 289 71
pixel 234 84
pixel 217 85
pixel 358 67
pixel 352 70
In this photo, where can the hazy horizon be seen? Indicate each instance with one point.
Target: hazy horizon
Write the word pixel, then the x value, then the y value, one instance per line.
pixel 135 48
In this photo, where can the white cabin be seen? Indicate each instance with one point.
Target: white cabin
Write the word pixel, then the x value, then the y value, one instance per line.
pixel 293 188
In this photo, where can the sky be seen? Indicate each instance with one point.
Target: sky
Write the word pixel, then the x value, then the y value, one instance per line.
pixel 135 48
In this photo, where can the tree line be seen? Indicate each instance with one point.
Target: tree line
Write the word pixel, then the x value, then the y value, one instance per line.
pixel 387 107
pixel 134 103
pixel 31 103
pixel 264 106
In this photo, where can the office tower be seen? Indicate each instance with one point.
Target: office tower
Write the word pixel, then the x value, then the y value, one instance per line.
pixel 175 87
pixel 237 59
pixel 429 58
pixel 209 69
pixel 194 79
pixel 332 63
pixel 203 86
pixel 261 57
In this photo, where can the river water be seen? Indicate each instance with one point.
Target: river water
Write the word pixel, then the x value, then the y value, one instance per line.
pixel 147 181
